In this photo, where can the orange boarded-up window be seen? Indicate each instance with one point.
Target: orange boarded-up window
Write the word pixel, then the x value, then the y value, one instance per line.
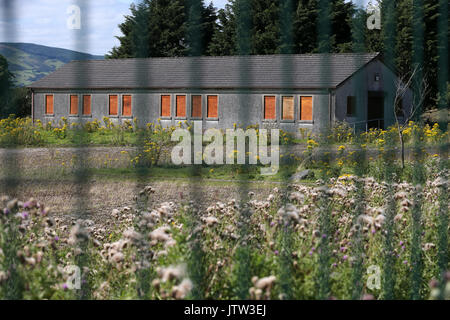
pixel 165 106
pixel 269 108
pixel 306 108
pixel 126 106
pixel 113 105
pixel 87 105
pixel 49 104
pixel 288 108
pixel 181 106
pixel 196 106
pixel 74 105
pixel 213 107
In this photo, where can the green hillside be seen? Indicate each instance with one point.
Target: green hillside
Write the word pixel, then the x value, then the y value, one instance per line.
pixel 30 62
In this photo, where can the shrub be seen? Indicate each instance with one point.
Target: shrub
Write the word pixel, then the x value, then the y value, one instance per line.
pixel 19 132
pixel 155 138
pixel 341 132
pixel 92 126
pixel 263 248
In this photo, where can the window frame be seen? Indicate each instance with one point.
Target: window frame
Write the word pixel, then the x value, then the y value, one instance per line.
pixel 192 107
pixel 207 107
pixel 122 106
pixel 176 95
pixel 109 105
pixel 354 114
pixel 161 106
pixel 70 105
pixel 45 105
pixel 377 77
pixel 264 108
pixel 82 106
pixel 282 108
pixel 300 108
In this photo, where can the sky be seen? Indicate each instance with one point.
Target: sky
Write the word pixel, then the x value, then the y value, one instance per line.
pixel 53 23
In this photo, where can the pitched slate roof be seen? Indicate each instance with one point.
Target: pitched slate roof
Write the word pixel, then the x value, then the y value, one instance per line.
pixel 229 72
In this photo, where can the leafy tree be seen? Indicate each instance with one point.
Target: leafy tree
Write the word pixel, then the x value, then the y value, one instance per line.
pixel 373 37
pixel 307 30
pixel 305 26
pixel 201 24
pixel 6 78
pixel 341 25
pixel 265 29
pixel 287 18
pixel 166 28
pixel 273 25
pixel 248 27
pixel 209 24
pixel 21 100
pixel 125 49
pixel 409 35
pixel 404 41
pixel 431 54
pixel 139 35
pixel 223 41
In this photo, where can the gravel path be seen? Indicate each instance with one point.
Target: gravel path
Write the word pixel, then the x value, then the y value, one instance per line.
pixel 32 161
pixel 99 198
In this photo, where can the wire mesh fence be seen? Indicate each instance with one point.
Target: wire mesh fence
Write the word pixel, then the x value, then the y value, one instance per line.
pixel 371 223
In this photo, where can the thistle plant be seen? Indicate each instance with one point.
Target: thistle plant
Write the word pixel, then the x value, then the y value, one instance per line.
pixel 10 238
pixel 144 270
pixel 443 228
pixel 325 208
pixel 358 244
pixel 242 267
pixel 417 223
pixel 195 256
pixel 82 260
pixel 286 272
pixel 389 255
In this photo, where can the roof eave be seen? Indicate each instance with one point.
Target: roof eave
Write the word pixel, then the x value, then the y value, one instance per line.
pixel 186 88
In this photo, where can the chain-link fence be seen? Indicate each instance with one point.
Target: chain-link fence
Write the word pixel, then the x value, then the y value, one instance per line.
pixel 356 209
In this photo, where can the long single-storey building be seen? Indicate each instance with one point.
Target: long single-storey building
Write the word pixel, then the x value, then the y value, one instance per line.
pixel 286 91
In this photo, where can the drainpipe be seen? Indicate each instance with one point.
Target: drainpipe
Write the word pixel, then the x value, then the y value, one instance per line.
pixel 330 106
pixel 32 106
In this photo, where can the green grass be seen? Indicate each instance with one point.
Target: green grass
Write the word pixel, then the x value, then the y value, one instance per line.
pixel 219 173
pixel 239 173
pixel 99 138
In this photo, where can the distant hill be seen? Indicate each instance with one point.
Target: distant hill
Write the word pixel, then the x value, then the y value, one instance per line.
pixel 30 62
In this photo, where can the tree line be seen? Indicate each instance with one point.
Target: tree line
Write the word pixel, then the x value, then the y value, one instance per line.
pixel 167 28
pixel 172 28
pixel 13 100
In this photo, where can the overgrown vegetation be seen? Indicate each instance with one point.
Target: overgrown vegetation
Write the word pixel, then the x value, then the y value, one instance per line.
pixel 21 132
pixel 283 241
pixel 304 241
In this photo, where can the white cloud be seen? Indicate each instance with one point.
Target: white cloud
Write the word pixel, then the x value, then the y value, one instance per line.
pixel 45 22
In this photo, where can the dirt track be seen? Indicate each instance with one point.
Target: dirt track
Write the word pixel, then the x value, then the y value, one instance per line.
pixel 102 195
pixel 115 158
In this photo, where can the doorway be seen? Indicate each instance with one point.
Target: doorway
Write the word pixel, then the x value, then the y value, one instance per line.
pixel 375 110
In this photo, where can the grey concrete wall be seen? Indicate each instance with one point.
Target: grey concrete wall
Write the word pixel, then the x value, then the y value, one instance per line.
pixel 359 86
pixel 242 108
